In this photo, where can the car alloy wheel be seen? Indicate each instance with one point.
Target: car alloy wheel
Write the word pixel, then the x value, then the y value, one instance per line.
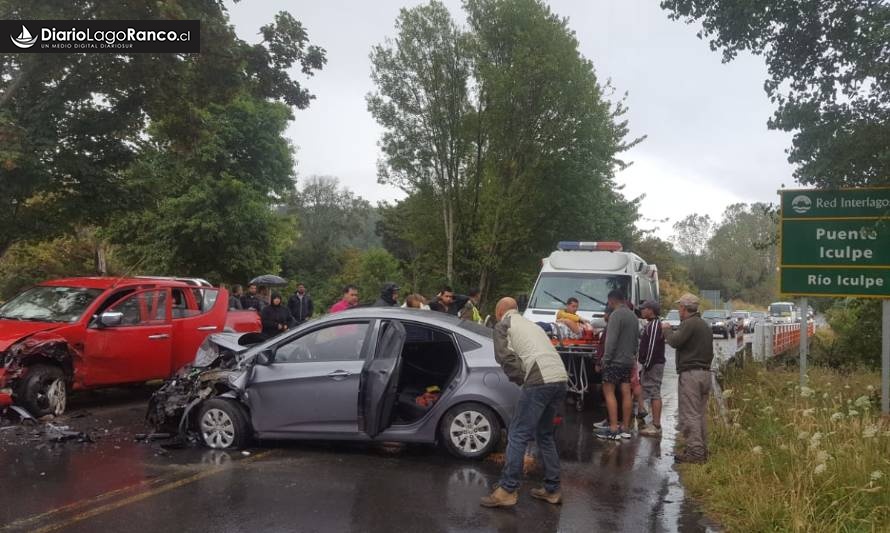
pixel 54 396
pixel 470 431
pixel 217 429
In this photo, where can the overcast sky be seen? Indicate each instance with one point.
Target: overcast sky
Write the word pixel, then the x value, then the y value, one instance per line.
pixel 707 146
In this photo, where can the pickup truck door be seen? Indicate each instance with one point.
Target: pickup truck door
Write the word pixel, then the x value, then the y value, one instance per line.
pixel 136 350
pixel 196 313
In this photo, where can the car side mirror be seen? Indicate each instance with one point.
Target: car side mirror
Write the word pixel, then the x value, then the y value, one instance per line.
pixel 265 357
pixel 110 319
pixel 522 301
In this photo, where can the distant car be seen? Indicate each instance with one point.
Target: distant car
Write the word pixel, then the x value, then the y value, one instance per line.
pixel 368 374
pixel 721 323
pixel 743 318
pixel 758 317
pixel 673 319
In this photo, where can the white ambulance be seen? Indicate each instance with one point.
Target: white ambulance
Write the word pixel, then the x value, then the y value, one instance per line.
pixel 587 271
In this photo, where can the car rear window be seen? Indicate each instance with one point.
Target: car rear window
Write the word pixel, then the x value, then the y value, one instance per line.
pixel 478 329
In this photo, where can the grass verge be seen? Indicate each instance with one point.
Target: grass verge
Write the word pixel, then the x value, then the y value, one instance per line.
pixel 793 459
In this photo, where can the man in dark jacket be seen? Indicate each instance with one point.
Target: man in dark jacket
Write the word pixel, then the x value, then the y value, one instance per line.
pixel 652 364
pixel 251 300
pixel 389 295
pixel 235 297
pixel 275 317
pixel 300 305
pixel 694 342
pixel 443 301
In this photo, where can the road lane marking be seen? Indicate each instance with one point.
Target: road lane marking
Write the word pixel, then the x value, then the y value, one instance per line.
pixel 123 502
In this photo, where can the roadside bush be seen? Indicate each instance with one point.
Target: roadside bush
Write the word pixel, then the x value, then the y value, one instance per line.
pixel 857 335
pixel 796 459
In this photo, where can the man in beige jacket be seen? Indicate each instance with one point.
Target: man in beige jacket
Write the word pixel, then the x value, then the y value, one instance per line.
pixel 529 359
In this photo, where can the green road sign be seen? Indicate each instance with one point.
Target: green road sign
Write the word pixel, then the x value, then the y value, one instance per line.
pixel 836 242
pixel 842 203
pixel 837 282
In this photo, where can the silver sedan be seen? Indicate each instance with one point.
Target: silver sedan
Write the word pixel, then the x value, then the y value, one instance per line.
pixel 369 374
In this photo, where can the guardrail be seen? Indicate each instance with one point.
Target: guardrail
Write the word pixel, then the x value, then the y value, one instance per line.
pixel 771 340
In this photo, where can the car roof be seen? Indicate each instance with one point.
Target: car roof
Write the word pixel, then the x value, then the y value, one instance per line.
pixel 100 282
pixel 433 318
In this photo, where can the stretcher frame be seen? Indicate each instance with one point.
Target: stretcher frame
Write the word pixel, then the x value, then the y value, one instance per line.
pixel 576 353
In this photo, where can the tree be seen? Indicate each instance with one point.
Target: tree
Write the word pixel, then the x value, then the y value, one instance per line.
pixel 368 270
pixel 330 219
pixel 743 250
pixel 552 141
pixel 827 63
pixel 691 235
pixel 94 138
pixel 422 102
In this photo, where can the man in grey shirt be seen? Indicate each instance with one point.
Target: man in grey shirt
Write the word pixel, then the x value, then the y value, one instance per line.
pixel 619 354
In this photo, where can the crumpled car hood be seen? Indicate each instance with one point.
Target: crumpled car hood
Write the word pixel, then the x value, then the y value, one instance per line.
pixel 11 331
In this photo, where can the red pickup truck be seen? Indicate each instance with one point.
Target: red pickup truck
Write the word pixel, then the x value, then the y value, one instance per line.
pixel 85 333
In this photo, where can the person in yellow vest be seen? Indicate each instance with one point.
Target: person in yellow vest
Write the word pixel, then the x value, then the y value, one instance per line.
pixel 571 319
pixel 470 310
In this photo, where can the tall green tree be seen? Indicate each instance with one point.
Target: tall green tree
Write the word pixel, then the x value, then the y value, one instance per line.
pixel 829 74
pixel 505 126
pixel 133 140
pixel 422 101
pixel 743 251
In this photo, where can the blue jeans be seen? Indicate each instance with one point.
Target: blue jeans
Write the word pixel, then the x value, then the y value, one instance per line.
pixel 533 419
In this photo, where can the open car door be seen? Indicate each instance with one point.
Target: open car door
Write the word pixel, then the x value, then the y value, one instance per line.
pixel 380 378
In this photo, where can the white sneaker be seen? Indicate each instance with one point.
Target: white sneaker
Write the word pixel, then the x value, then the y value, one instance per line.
pixel 601 424
pixel 650 431
pixel 624 433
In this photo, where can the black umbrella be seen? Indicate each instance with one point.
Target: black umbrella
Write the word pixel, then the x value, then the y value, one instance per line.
pixel 269 280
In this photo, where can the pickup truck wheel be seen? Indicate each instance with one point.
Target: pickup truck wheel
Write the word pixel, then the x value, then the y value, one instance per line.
pixel 470 431
pixel 223 425
pixel 43 391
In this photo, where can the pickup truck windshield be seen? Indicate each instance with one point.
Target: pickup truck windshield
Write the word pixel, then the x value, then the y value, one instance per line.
pixel 591 290
pixel 50 304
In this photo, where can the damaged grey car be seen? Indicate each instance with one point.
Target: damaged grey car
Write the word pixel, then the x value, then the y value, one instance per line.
pixel 370 374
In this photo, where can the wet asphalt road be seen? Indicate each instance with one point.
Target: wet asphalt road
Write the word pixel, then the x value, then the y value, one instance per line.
pixel 117 483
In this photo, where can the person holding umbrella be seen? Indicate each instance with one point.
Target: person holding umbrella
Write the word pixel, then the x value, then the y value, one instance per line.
pixel 276 318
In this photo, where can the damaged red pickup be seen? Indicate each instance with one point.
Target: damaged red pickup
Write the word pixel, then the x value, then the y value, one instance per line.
pixel 85 333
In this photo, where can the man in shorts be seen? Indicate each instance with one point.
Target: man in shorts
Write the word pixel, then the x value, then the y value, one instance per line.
pixel 619 355
pixel 652 365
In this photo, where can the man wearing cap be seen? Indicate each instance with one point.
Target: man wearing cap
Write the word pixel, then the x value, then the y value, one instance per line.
pixel 652 364
pixel 694 343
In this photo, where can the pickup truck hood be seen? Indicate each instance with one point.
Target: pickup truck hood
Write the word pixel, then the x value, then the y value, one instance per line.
pixel 12 331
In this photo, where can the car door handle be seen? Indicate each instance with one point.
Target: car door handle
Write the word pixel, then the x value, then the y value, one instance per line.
pixel 207 328
pixel 159 336
pixel 339 374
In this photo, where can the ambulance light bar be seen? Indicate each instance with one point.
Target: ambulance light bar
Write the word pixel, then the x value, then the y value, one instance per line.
pixel 591 246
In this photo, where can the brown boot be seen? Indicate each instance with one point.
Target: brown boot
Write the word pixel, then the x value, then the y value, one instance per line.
pixel 500 498
pixel 550 497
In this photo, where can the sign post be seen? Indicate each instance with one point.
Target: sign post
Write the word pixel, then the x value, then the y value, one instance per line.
pixel 836 243
pixel 804 344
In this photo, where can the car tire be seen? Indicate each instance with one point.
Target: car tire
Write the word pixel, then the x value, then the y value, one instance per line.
pixel 43 391
pixel 223 424
pixel 470 430
pixel 725 335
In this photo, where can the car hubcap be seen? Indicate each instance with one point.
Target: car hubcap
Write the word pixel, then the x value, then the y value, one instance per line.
pixel 217 429
pixel 470 431
pixel 54 397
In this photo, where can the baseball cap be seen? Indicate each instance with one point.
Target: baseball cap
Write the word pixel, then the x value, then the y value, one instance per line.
pixel 651 304
pixel 688 299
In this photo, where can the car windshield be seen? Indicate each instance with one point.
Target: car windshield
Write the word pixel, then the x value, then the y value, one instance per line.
pixel 591 290
pixel 780 310
pixel 712 314
pixel 757 314
pixel 673 314
pixel 50 304
pixel 741 314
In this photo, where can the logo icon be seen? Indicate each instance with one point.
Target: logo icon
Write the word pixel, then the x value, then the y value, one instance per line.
pixel 24 40
pixel 801 204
